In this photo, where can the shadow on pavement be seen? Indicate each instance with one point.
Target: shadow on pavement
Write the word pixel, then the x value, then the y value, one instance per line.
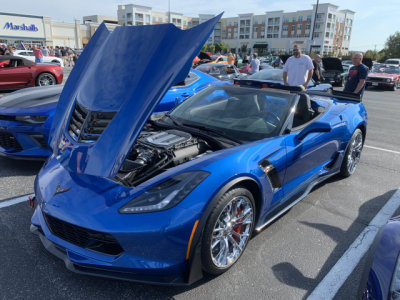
pixel 288 274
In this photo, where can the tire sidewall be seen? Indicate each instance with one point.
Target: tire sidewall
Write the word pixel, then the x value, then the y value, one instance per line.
pixel 343 169
pixel 207 262
pixel 46 74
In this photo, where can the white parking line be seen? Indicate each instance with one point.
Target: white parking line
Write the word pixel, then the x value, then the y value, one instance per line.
pixel 333 281
pixel 382 149
pixel 14 201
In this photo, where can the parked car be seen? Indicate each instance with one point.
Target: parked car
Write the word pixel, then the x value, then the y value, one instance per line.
pixel 276 76
pixel 388 77
pixel 333 71
pixel 28 54
pixel 164 198
pixel 26 115
pixel 393 61
pixel 382 270
pixel 17 72
pixel 221 71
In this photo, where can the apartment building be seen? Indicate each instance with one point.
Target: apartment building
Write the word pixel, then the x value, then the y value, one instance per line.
pixel 278 31
pixel 326 30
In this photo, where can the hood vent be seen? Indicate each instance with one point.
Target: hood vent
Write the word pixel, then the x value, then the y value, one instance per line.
pixel 86 126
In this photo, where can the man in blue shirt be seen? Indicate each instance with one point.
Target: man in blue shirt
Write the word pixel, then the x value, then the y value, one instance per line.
pixel 358 73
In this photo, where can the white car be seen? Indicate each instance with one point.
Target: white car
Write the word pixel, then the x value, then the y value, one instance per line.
pixel 28 54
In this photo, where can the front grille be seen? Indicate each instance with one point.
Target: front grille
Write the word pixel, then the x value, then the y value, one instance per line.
pixel 86 126
pixel 82 237
pixel 7 118
pixel 377 79
pixel 7 140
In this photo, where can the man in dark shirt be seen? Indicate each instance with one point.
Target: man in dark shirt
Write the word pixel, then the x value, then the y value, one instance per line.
pixel 317 75
pixel 358 73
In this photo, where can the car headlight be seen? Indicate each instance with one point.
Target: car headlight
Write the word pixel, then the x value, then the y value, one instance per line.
pixel 395 284
pixel 388 80
pixel 165 194
pixel 32 119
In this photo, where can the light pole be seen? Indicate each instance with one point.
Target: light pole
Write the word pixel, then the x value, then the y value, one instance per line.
pixel 169 11
pixel 312 33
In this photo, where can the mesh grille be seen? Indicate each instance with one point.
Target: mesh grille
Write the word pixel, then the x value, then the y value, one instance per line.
pixel 7 118
pixel 82 237
pixel 7 140
pixel 377 79
pixel 86 126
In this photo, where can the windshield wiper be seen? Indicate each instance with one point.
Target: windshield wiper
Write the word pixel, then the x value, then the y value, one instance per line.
pixel 176 123
pixel 217 132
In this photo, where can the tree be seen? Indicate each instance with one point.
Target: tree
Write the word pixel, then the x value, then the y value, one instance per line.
pixel 204 48
pixel 393 45
pixel 212 48
pixel 218 47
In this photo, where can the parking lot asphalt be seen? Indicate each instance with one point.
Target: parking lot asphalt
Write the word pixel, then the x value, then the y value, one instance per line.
pixel 287 260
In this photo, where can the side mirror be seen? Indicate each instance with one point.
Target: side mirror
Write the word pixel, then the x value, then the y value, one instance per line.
pixel 314 127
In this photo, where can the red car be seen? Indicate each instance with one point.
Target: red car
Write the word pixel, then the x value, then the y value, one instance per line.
pixel 387 76
pixel 18 72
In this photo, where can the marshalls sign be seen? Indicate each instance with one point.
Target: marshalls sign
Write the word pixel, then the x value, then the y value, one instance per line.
pixel 20 26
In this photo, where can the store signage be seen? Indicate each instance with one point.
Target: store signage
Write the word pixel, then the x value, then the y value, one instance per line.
pixel 23 27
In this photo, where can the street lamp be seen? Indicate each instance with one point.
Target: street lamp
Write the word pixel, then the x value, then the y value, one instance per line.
pixel 312 33
pixel 169 11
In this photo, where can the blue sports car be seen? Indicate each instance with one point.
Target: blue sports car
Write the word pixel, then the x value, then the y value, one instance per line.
pixel 163 198
pixel 26 115
pixel 383 273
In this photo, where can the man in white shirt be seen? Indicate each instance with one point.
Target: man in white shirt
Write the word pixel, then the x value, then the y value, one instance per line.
pixel 298 69
pixel 254 64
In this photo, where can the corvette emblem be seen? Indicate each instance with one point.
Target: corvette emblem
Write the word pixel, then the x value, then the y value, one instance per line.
pixel 59 191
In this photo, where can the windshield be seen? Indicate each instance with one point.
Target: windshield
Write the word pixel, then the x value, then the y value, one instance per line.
pixel 268 74
pixel 244 114
pixel 387 70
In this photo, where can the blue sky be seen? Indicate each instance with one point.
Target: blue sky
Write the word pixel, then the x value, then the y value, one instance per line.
pixel 374 20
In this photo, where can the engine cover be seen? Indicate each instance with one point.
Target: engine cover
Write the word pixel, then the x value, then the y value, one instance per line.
pixel 168 139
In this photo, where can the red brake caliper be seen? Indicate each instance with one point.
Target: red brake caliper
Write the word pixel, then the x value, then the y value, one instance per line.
pixel 238 228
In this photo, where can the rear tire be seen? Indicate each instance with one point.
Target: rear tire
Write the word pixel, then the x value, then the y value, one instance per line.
pixel 45 79
pixel 353 154
pixel 228 230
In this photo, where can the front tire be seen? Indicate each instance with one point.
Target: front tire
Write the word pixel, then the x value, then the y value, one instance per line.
pixel 353 154
pixel 46 79
pixel 228 230
pixel 395 86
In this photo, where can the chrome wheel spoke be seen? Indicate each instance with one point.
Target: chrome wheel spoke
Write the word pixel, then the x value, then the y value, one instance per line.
pixel 231 231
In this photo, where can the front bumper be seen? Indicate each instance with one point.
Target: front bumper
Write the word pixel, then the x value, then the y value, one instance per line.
pixel 380 83
pixel 22 141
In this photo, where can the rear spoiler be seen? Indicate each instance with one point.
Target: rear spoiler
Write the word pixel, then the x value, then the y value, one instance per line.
pixel 338 95
pixel 264 84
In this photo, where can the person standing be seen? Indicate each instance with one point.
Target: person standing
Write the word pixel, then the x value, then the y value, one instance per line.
pixel 298 69
pixel 231 59
pixel 358 73
pixel 9 50
pixel 317 75
pixel 38 54
pixel 45 51
pixel 254 64
pixel 64 55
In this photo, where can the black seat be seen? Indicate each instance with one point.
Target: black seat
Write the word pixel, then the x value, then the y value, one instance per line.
pixel 303 112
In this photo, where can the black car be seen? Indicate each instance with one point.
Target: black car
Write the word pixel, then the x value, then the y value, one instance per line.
pixel 333 72
pixel 221 71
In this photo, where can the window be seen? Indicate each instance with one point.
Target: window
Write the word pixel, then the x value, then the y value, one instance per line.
pixel 275 36
pixel 300 18
pixel 263 22
pixel 308 18
pixel 262 29
pixel 294 19
pixel 298 35
pixel 269 36
pixel 308 26
pixel 285 28
pixel 317 26
pixel 285 20
pixel 299 26
pixel 255 22
pixel 247 22
pixel 292 27
pixel 307 35
pixel 316 34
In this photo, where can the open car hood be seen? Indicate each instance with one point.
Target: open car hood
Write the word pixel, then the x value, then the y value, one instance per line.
pixel 113 89
pixel 332 64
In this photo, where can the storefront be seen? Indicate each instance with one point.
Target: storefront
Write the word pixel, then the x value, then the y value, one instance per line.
pixel 26 29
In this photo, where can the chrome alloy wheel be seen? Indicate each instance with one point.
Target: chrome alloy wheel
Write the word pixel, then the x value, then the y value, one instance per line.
pixel 354 153
pixel 231 231
pixel 46 79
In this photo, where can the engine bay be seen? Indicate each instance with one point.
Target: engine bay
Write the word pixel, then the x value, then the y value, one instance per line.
pixel 158 150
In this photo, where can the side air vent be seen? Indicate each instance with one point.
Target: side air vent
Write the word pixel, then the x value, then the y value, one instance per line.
pixel 272 174
pixel 86 126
